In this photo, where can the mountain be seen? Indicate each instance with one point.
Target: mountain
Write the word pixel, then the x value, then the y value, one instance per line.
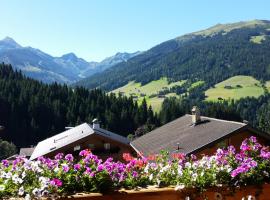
pixel 211 56
pixel 41 66
pixel 109 62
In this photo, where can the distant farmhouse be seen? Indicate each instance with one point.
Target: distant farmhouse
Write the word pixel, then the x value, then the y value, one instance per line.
pixel 194 134
pixel 189 134
pixel 85 136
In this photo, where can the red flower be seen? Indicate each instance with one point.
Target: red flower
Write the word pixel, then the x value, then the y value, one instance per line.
pixel 140 163
pixel 127 157
pixel 152 157
pixel 178 156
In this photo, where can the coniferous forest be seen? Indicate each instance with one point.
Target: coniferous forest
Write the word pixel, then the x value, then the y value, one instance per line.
pixel 32 111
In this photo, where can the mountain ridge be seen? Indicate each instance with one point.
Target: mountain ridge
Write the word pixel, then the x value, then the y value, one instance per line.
pixel 37 64
pixel 213 54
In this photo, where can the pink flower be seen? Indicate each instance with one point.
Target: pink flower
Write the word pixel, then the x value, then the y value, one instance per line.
pixel 77 167
pixel 84 153
pixel 100 168
pixel 65 168
pixel 69 157
pixel 5 163
pixel 56 182
pixel 265 153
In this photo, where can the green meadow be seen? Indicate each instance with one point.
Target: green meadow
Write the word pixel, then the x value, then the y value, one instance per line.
pixel 139 91
pixel 236 87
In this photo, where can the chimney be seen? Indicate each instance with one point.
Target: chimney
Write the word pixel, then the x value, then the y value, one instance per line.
pixel 195 115
pixel 95 123
pixel 68 127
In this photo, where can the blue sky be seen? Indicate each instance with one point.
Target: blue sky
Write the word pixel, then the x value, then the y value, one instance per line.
pixel 95 29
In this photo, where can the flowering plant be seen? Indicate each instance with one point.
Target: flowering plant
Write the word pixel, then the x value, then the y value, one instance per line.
pixel 65 175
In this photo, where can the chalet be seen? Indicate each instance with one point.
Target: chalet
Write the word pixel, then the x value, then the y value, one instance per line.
pixel 85 136
pixel 195 134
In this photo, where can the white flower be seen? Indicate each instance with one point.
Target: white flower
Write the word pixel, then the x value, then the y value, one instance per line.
pixel 16 179
pixel 2 187
pixel 229 169
pixel 56 169
pixel 23 175
pixel 8 175
pixel 36 192
pixel 194 176
pixel 165 168
pixel 21 191
pixel 188 165
pixel 179 187
pixel 195 165
pixel 27 197
pixel 180 171
pixel 146 168
pixel 151 177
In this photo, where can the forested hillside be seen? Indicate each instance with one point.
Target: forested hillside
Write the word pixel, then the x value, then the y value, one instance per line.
pixel 32 111
pixel 211 56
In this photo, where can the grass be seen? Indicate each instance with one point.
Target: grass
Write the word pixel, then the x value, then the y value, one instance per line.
pixel 228 27
pixel 196 84
pixel 240 87
pixel 257 39
pixel 151 88
pixel 233 88
pixel 154 87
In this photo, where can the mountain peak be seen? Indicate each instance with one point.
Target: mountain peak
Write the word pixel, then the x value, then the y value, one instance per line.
pixel 9 43
pixel 69 56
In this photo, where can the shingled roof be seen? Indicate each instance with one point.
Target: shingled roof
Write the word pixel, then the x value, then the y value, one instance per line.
pixel 181 132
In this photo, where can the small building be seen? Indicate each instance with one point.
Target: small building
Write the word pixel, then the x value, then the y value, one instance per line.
pixel 195 134
pixel 85 136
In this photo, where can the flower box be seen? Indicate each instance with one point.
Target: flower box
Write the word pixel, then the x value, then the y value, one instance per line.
pixel 244 193
pixel 63 176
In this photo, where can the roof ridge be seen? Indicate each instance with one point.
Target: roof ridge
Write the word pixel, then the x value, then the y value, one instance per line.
pixel 221 120
pixel 115 137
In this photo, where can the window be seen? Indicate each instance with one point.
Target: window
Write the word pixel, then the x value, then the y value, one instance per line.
pixel 77 148
pixel 91 146
pixel 107 146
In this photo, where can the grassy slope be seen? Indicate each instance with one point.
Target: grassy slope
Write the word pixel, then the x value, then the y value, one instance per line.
pixel 249 87
pixel 136 89
pixel 258 39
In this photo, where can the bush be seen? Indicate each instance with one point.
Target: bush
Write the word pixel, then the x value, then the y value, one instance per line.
pixel 6 149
